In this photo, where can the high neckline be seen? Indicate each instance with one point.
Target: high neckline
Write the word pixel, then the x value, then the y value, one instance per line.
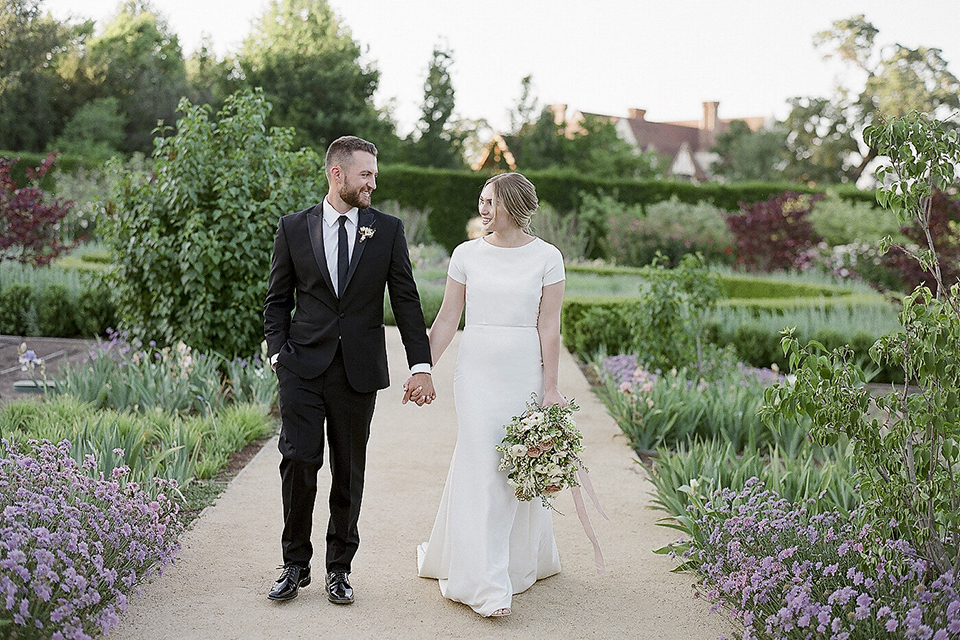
pixel 497 246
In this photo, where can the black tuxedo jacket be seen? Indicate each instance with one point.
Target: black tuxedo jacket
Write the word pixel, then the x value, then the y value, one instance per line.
pixel 300 282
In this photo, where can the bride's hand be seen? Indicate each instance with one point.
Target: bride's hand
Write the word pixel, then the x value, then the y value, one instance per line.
pixel 552 397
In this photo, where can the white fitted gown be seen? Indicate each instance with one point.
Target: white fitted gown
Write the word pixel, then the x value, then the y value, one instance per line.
pixel 486 545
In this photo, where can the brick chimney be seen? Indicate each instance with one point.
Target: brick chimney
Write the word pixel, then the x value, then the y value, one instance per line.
pixel 559 112
pixel 708 125
pixel 636 114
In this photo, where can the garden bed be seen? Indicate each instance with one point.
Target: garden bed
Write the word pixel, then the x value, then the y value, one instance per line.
pixel 56 352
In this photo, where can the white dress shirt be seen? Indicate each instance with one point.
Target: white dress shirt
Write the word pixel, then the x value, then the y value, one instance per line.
pixel 331 237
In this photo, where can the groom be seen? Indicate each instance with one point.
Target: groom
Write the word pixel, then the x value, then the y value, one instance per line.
pixel 331 264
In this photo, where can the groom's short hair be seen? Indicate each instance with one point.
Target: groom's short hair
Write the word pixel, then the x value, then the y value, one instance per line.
pixel 341 150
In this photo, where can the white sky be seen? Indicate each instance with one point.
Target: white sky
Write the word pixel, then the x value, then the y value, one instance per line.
pixel 601 56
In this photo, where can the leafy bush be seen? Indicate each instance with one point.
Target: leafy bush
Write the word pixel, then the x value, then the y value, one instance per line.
pixel 907 454
pixel 942 221
pixel 563 230
pixel 193 241
pixel 771 235
pixel 859 261
pixel 415 221
pixel 75 544
pixel 839 221
pixel 29 217
pixel 15 308
pixel 671 228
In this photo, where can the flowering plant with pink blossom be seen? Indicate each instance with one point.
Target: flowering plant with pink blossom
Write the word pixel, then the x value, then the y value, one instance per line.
pixel 73 543
pixel 541 450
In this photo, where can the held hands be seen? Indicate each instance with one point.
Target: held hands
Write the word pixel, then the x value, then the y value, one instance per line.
pixel 419 389
pixel 552 397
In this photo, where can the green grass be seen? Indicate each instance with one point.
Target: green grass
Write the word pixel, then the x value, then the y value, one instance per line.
pixel 86 257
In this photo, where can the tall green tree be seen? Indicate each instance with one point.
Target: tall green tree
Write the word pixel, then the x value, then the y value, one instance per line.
pixel 211 79
pixel 311 69
pixel 527 108
pixel 437 142
pixel 596 148
pixel 539 144
pixel 137 60
pixel 826 134
pixel 750 155
pixel 95 132
pixel 33 94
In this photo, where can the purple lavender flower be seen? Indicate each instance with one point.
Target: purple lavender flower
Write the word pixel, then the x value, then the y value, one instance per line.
pixel 62 548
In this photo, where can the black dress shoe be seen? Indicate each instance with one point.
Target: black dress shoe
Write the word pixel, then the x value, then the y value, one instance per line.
pixel 288 584
pixel 338 588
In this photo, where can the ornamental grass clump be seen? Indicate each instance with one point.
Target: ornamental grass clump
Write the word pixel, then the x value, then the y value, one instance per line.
pixel 73 543
pixel 784 572
pixel 657 408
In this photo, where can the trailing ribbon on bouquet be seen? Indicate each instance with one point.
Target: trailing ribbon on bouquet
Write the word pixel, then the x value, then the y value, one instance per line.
pixel 584 478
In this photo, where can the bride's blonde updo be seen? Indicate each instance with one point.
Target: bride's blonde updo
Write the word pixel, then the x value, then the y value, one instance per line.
pixel 518 195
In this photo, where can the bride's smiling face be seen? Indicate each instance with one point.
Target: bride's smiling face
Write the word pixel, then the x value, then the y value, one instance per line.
pixel 493 219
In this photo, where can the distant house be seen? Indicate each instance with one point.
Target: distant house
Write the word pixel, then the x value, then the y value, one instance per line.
pixel 495 157
pixel 686 144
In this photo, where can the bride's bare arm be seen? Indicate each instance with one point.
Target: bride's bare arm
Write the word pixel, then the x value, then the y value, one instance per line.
pixel 448 318
pixel 548 326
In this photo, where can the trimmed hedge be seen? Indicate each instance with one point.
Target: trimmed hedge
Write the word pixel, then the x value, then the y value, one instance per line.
pixel 451 195
pixel 55 311
pixel 738 286
pixel 593 324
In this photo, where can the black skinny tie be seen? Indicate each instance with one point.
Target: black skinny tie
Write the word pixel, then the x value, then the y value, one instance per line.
pixel 343 257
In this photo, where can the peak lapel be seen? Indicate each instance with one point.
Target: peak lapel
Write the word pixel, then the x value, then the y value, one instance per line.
pixel 315 226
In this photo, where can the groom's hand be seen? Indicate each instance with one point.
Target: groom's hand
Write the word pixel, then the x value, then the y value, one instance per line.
pixel 419 389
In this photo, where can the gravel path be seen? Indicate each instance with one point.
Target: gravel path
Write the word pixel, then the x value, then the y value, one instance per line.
pixel 217 589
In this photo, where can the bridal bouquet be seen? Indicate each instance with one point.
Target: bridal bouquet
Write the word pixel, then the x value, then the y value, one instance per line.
pixel 541 451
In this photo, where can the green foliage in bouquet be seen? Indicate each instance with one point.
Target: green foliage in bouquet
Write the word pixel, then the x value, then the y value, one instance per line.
pixel 542 451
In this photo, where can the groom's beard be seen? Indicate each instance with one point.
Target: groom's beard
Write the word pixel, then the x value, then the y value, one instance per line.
pixel 355 197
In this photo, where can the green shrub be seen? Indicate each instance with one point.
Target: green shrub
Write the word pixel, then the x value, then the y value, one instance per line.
pixel 566 231
pixel 842 221
pixel 671 228
pixel 591 325
pixel 193 239
pixel 15 307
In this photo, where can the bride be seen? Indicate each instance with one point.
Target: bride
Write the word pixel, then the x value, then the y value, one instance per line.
pixel 486 545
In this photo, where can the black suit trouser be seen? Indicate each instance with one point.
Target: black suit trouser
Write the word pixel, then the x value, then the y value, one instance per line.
pixel 305 405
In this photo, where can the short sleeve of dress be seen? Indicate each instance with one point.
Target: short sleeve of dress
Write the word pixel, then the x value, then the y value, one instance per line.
pixel 554 271
pixel 456 269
